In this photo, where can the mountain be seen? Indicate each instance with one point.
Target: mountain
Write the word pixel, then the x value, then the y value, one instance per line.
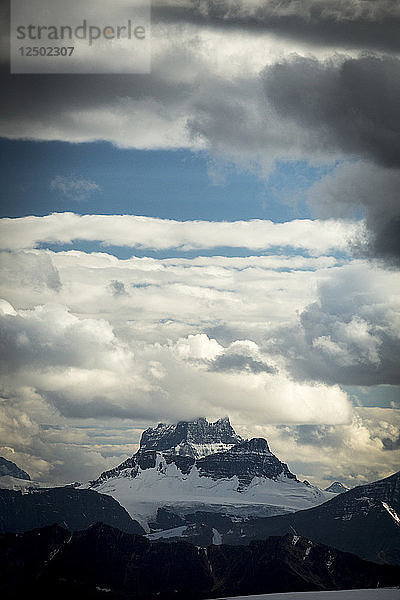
pixel 204 464
pixel 104 562
pixel 8 468
pixel 337 488
pixel 364 521
pixel 195 439
pixel 72 508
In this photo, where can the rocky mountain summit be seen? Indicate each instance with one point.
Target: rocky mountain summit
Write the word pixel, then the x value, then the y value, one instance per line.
pixel 194 439
pixel 246 460
pixel 213 449
pixel 198 462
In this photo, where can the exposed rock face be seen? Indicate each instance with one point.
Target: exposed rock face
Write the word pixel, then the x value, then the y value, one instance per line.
pixel 9 468
pixel 103 562
pixel 213 448
pixel 246 460
pixel 191 438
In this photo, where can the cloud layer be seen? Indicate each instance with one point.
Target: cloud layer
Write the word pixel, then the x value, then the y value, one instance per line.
pixel 316 237
pixel 250 92
pixel 365 23
pixel 267 340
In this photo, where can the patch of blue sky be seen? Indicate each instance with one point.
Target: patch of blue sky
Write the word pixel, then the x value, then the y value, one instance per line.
pixel 39 178
pixel 126 252
pixel 382 396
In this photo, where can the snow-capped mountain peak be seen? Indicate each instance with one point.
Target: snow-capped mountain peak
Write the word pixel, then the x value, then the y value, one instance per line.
pixel 200 463
pixel 195 439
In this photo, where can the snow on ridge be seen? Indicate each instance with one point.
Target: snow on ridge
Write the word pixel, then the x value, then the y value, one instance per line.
pixel 202 450
pixel 217 538
pixel 391 512
pixel 166 485
pixel 201 463
pixel 370 594
pixel 175 532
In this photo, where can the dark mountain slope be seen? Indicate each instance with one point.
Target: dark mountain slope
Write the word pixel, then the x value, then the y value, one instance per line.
pixel 364 521
pixel 72 508
pixel 103 562
pixel 9 468
pixel 246 460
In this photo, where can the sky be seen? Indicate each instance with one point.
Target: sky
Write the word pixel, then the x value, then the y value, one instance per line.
pixel 219 236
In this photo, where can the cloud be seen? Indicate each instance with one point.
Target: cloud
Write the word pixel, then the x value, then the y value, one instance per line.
pixel 29 270
pixel 198 347
pixel 371 188
pixel 83 369
pixel 391 444
pixel 167 299
pixel 317 237
pixel 74 188
pixel 341 23
pixel 348 105
pixel 81 356
pixel 201 83
pixel 117 288
pixel 353 453
pixel 60 369
pixel 285 104
pixel 350 335
pixel 322 320
pixel 238 362
pixel 351 106
pixel 241 356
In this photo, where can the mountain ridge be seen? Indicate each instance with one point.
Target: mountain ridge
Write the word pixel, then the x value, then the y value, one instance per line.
pixel 75 509
pixel 179 444
pixel 196 438
pixel 364 521
pixel 204 463
pixel 104 562
pixel 8 468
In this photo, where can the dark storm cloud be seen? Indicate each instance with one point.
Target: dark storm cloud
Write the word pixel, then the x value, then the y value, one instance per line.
pixel 351 106
pixel 367 24
pixel 239 362
pixel 44 96
pixel 375 190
